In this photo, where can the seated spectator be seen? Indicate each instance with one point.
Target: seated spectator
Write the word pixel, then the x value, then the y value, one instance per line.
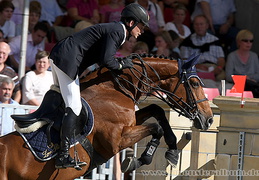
pixel 140 48
pixel 126 47
pixel 36 83
pixel 17 16
pixel 51 12
pixel 221 18
pixel 212 58
pixel 6 90
pixel 51 15
pixel 111 12
pixel 244 62
pixel 34 16
pixel 176 40
pixel 156 22
pixel 6 25
pixel 6 70
pixel 79 10
pixel 164 45
pixel 35 42
pixel 177 24
pixel 168 8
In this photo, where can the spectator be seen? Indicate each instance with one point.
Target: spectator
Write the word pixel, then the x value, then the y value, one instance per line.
pixel 111 12
pixel 51 12
pixel 126 48
pixel 36 83
pixel 6 25
pixel 17 13
pixel 6 70
pixel 79 10
pixel 156 22
pixel 164 45
pixel 244 62
pixel 35 42
pixel 176 40
pixel 177 24
pixel 6 90
pixel 34 16
pixel 51 15
pixel 212 58
pixel 168 8
pixel 140 48
pixel 220 15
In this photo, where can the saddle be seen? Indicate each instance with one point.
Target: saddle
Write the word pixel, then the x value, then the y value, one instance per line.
pixel 51 111
pixel 41 129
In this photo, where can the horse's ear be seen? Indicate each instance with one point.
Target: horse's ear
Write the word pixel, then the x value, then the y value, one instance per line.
pixel 191 61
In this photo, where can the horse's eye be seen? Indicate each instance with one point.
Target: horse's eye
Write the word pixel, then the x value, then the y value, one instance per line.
pixel 195 84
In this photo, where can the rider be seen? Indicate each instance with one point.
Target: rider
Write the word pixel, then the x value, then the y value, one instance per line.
pixel 72 55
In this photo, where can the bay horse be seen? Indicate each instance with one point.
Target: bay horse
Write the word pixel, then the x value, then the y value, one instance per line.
pixel 112 96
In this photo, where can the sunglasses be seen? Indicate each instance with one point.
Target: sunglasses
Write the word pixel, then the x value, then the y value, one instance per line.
pixel 247 40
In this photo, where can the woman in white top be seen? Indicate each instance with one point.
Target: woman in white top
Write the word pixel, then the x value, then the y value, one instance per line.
pixel 177 24
pixel 37 82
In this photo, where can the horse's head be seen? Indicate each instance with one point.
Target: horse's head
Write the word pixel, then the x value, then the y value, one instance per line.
pixel 183 88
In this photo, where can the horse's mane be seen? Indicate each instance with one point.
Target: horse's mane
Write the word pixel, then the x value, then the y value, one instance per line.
pixel 102 74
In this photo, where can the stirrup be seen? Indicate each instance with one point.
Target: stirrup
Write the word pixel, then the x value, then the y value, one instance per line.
pixel 67 162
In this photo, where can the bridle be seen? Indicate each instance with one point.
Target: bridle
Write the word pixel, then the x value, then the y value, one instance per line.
pixel 188 109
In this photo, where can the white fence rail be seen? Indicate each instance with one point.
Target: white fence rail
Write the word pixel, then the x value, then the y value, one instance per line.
pixel 103 172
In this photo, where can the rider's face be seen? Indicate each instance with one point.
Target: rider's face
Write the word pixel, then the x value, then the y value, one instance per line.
pixel 137 30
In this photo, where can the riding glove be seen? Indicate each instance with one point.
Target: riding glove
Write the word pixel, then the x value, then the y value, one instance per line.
pixel 125 63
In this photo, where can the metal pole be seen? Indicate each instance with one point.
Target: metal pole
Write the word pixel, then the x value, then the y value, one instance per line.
pixel 21 70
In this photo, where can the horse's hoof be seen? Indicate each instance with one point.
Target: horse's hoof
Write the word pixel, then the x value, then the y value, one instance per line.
pixel 129 164
pixel 172 156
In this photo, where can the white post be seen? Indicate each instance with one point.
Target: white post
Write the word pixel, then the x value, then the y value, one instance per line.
pixel 223 89
pixel 21 70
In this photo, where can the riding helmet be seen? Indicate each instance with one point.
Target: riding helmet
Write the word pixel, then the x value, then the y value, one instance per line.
pixel 136 12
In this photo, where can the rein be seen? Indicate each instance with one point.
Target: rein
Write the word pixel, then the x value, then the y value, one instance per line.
pixel 189 110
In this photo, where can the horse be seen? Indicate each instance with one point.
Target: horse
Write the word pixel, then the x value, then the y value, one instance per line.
pixel 112 96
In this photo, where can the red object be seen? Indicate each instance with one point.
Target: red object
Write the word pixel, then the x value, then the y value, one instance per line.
pixel 239 83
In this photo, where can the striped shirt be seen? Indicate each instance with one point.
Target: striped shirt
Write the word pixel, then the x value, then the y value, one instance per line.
pixel 211 56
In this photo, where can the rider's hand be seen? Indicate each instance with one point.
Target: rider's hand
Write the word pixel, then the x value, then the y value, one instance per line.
pixel 125 63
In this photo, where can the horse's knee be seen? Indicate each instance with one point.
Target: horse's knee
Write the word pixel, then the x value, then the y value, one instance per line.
pixel 159 132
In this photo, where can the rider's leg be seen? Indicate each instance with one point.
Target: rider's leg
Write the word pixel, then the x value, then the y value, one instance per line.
pixel 71 94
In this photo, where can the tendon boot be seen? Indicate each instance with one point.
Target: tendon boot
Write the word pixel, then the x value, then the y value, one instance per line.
pixel 64 160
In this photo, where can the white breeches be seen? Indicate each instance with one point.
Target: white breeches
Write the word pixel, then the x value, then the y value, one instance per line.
pixel 69 88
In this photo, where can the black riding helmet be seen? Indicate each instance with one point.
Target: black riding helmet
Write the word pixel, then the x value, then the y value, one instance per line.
pixel 136 13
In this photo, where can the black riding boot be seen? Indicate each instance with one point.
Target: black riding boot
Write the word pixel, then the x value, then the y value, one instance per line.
pixel 64 160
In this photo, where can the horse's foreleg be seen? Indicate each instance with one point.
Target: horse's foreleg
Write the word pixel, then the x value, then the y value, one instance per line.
pixel 156 131
pixel 153 110
pixel 158 113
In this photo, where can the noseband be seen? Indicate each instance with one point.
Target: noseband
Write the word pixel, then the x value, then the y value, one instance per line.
pixel 191 109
